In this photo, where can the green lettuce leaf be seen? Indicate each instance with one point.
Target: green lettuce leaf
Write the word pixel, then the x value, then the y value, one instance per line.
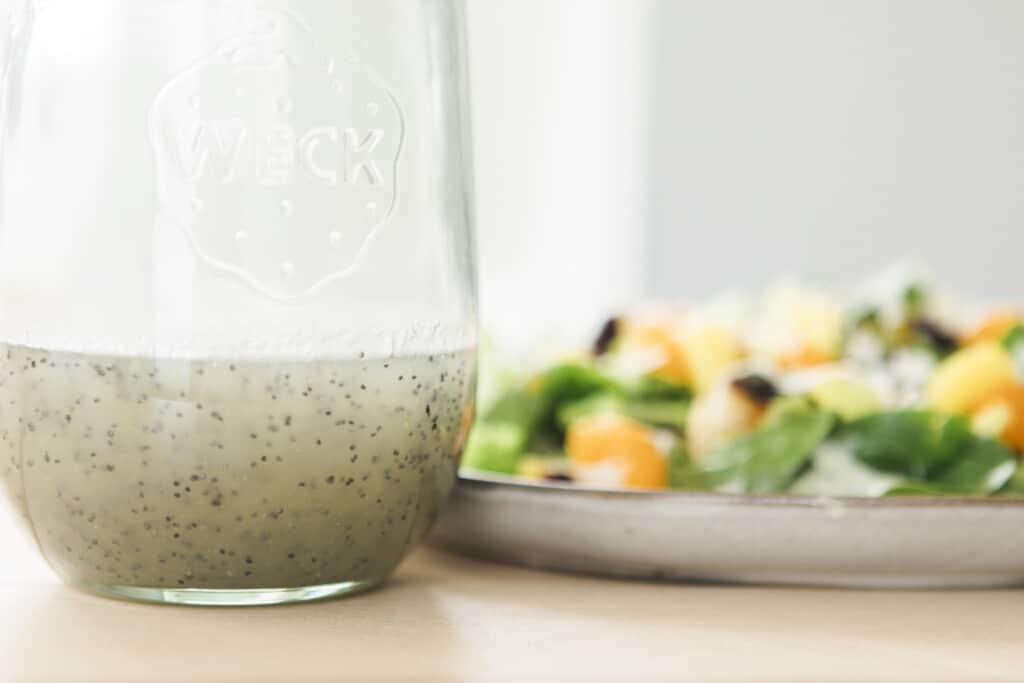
pixel 657 413
pixel 495 447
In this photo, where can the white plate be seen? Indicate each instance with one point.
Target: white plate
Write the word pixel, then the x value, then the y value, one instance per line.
pixel 873 542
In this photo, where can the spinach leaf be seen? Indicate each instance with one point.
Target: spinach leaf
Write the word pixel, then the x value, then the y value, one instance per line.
pixel 561 385
pixel 769 459
pixel 658 402
pixel 603 403
pixel 915 299
pixel 1015 485
pixel 661 413
pixel 936 453
pixel 684 474
pixel 519 407
pixel 657 413
pixel 649 387
pixel 1013 338
pixel 573 381
pixel 913 443
pixel 914 488
pixel 984 467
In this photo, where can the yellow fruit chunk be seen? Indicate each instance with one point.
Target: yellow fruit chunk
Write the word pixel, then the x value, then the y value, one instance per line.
pixel 621 442
pixel 850 399
pixel 1010 402
pixel 542 466
pixel 993 327
pixel 803 327
pixel 535 385
pixel 819 323
pixel 970 377
pixel 532 468
pixel 709 350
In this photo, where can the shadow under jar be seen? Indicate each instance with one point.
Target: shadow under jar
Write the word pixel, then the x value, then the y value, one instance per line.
pixel 237 292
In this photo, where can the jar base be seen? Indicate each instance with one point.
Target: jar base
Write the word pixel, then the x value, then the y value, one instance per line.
pixel 246 597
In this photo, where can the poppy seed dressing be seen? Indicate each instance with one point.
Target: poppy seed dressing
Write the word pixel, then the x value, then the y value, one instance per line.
pixel 174 473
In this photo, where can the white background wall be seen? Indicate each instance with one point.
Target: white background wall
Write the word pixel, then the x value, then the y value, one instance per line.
pixel 829 138
pixel 563 119
pixel 676 147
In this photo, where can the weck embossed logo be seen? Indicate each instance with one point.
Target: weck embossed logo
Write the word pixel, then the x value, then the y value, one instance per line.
pixel 276 157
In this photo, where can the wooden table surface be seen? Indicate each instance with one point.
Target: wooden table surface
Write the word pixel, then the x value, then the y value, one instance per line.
pixel 449 619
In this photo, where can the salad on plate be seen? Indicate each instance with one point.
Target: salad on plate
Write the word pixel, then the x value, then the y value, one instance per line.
pixel 891 390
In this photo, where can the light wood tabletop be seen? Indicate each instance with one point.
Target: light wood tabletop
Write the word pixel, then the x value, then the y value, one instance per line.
pixel 450 619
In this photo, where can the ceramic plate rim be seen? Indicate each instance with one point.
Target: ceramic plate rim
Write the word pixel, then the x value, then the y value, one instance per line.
pixel 481 480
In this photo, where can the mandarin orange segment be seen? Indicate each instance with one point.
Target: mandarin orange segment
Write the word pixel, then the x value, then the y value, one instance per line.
pixel 993 327
pixel 611 439
pixel 1012 398
pixel 674 366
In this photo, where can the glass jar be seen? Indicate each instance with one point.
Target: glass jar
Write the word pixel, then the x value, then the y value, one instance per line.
pixel 237 291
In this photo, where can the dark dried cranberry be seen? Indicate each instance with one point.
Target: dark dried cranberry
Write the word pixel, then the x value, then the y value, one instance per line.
pixel 757 388
pixel 940 338
pixel 609 331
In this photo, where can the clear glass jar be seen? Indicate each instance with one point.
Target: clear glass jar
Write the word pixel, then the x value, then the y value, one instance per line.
pixel 237 291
